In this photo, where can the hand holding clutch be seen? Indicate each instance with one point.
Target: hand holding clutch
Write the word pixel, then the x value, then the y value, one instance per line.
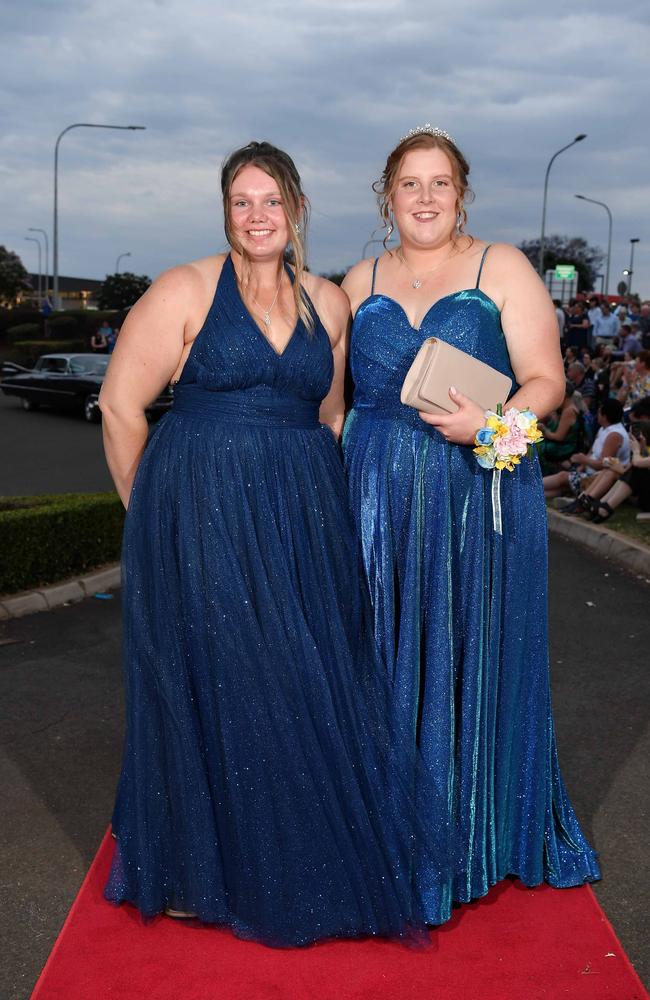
pixel 438 366
pixel 430 387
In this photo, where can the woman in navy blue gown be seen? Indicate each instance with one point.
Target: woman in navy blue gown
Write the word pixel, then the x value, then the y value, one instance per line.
pixel 459 599
pixel 262 786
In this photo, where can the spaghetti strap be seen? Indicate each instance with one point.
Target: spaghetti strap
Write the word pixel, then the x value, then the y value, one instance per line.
pixel 478 276
pixel 374 274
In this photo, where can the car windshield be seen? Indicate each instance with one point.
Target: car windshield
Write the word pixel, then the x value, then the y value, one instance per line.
pixel 88 366
pixel 51 365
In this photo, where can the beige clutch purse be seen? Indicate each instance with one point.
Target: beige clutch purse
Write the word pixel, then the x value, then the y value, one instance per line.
pixel 439 365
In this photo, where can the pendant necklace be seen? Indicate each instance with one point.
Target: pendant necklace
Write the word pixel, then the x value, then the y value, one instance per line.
pixel 417 282
pixel 266 313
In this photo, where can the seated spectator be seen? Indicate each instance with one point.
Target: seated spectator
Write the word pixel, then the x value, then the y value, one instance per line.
pixel 613 486
pixel 631 343
pixel 606 326
pixel 586 393
pixel 587 361
pixel 564 434
pixel 635 380
pixel 612 441
pixel 570 355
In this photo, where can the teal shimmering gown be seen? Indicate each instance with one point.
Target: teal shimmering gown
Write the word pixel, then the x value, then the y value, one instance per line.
pixel 461 610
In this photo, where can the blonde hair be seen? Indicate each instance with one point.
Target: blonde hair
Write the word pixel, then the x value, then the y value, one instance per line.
pixel 278 165
pixel 387 183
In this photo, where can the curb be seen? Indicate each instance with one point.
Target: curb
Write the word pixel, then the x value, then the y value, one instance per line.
pixel 67 592
pixel 632 556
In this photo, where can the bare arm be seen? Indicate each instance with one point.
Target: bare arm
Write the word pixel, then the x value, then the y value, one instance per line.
pixel 147 353
pixel 610 448
pixel 530 328
pixel 334 311
pixel 567 420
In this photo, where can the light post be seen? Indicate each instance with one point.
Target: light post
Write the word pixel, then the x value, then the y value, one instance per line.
pixel 578 138
pixel 46 290
pixel 55 230
pixel 630 271
pixel 32 239
pixel 593 201
pixel 117 262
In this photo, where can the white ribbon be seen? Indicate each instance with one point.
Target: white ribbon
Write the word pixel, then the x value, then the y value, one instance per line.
pixel 496 500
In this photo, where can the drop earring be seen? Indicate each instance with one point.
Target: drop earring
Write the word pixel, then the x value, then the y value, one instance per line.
pixel 459 222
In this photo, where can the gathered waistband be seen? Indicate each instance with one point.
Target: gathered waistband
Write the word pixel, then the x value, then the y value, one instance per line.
pixel 391 411
pixel 246 406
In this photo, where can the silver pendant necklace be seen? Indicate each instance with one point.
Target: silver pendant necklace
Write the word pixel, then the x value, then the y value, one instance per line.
pixel 266 313
pixel 417 281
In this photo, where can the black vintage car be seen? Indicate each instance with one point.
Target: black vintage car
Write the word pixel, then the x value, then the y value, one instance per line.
pixel 69 381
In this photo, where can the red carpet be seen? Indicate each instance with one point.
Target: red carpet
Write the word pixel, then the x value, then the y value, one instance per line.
pixel 516 944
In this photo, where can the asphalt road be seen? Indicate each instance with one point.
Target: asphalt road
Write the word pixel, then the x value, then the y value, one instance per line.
pixel 49 451
pixel 60 688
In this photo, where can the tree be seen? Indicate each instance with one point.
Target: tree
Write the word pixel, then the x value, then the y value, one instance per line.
pixel 567 250
pixel 14 278
pixel 120 291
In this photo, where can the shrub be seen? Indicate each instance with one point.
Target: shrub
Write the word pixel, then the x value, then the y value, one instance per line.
pixel 48 538
pixel 30 350
pixel 23 331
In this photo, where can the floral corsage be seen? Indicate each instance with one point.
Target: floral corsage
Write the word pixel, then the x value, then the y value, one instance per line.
pixel 506 438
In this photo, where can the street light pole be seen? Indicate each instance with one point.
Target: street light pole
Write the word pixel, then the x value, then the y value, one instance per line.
pixel 117 262
pixel 32 239
pixel 46 283
pixel 593 201
pixel 578 138
pixel 55 228
pixel 631 271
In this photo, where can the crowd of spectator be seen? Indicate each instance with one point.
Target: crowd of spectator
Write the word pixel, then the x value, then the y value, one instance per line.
pixel 594 453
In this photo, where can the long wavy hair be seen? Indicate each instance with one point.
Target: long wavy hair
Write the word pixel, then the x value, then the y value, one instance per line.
pixel 278 165
pixel 385 186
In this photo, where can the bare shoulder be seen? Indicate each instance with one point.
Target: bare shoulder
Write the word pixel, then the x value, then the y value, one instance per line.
pixel 327 297
pixel 504 256
pixel 331 304
pixel 359 276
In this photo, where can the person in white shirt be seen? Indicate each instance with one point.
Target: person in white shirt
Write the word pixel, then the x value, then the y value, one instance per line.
pixel 561 316
pixel 606 326
pixel 593 312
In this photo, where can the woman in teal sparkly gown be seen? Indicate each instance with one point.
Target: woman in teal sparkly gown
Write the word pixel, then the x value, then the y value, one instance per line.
pixel 460 606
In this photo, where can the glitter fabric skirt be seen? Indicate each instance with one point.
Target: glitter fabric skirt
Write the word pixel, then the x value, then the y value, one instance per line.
pixel 461 618
pixel 264 785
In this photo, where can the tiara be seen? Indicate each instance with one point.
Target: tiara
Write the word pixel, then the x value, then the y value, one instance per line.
pixel 427 129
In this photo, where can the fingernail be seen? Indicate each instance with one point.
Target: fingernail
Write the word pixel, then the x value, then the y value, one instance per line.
pixel 453 390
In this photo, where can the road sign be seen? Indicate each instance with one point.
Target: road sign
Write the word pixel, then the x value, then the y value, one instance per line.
pixel 565 272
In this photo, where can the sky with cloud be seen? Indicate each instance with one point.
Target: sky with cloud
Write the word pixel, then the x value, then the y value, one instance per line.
pixel 334 83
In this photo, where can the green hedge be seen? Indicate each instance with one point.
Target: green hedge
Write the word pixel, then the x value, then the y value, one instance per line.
pixel 23 331
pixel 44 539
pixel 30 350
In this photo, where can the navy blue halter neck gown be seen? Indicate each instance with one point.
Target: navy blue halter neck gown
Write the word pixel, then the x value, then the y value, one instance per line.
pixel 461 610
pixel 261 788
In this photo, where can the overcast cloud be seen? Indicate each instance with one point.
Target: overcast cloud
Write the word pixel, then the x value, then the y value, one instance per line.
pixel 334 83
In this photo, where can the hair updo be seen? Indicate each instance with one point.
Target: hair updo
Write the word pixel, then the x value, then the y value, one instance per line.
pixel 385 186
pixel 278 165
